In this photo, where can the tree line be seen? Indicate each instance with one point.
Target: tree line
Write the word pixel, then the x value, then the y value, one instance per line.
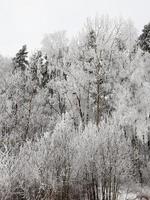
pixel 75 115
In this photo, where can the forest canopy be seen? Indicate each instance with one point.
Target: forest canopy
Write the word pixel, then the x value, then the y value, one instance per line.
pixel 75 115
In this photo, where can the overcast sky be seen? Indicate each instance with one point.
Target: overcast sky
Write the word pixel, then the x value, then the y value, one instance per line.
pixel 26 21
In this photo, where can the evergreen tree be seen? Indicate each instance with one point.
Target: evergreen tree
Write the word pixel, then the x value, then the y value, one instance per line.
pixel 44 71
pixel 20 60
pixel 92 39
pixel 144 38
pixel 33 69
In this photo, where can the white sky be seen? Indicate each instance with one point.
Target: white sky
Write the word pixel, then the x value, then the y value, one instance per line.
pixel 26 21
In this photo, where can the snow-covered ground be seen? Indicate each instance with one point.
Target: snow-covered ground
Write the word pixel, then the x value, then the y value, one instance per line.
pixel 127 196
pixel 135 194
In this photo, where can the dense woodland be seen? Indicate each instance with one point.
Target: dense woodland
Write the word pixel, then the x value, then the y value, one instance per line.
pixel 75 115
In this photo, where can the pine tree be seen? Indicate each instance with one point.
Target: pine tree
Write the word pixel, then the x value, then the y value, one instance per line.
pixel 38 69
pixel 144 38
pixel 92 39
pixel 44 71
pixel 33 68
pixel 20 60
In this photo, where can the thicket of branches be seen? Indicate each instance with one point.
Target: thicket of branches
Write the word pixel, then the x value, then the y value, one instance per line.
pixel 75 115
